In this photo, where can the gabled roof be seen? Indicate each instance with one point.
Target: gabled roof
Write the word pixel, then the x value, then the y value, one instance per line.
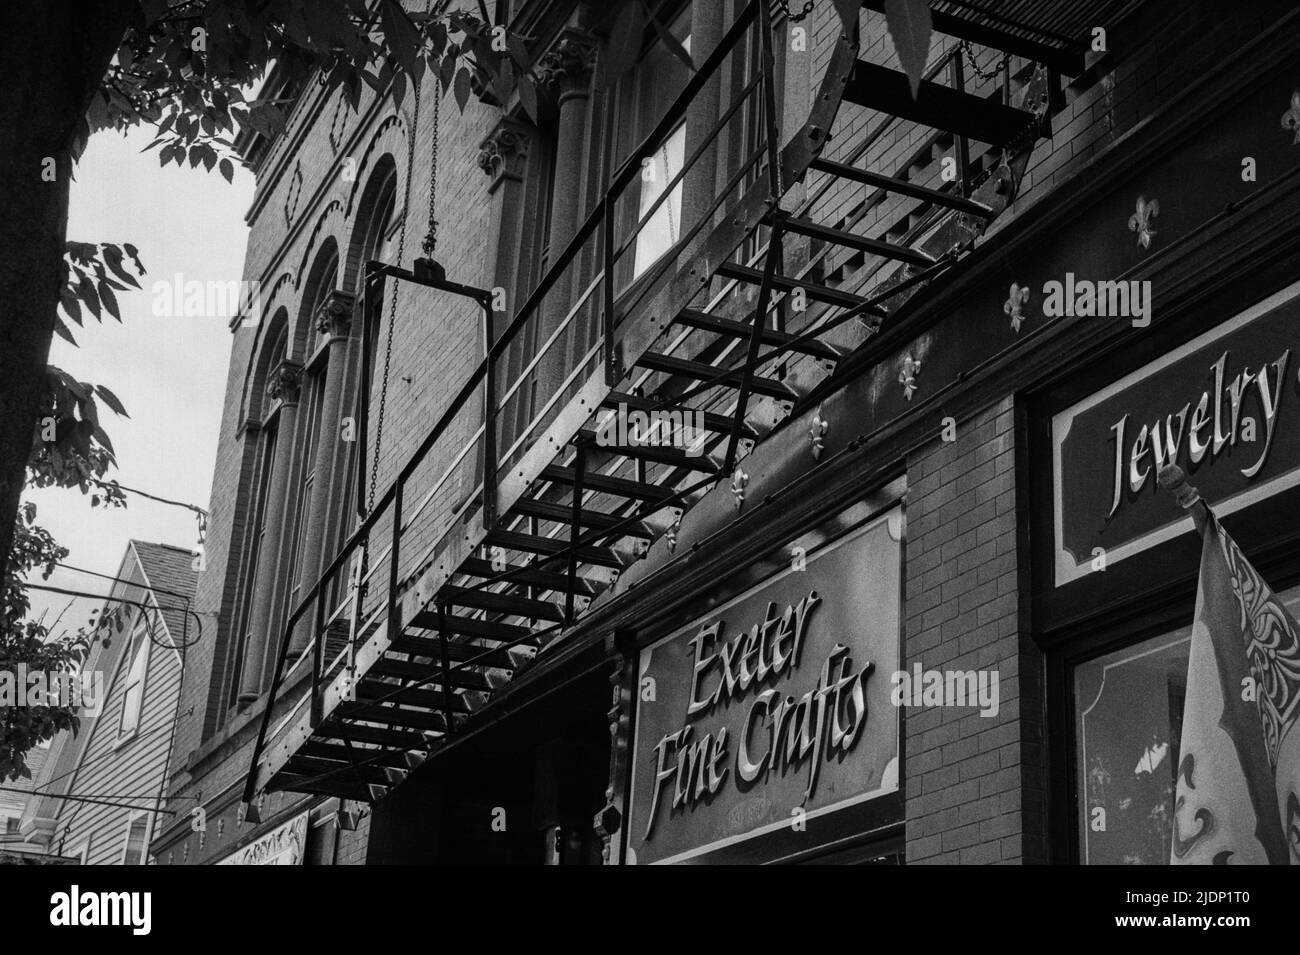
pixel 169 573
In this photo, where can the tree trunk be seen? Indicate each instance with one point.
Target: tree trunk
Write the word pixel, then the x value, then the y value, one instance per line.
pixel 53 54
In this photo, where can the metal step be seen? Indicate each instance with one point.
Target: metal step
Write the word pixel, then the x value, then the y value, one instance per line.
pixel 406 670
pixel 940 107
pixel 770 336
pixel 712 421
pixel 338 753
pixel 702 371
pixel 427 619
pixel 607 484
pixel 337 785
pixel 862 243
pixel 818 293
pixel 421 698
pixel 308 766
pixel 937 196
pixel 563 514
pixel 485 599
pixel 541 579
pixel 392 716
pixel 536 544
pixel 659 454
pixel 392 739
pixel 457 652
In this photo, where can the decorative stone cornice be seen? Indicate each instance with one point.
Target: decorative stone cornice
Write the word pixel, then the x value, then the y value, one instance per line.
pixel 567 66
pixel 334 317
pixel 285 385
pixel 505 150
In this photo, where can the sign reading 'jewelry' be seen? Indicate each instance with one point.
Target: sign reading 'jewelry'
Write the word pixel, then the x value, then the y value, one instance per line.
pixel 1225 407
pixel 775 708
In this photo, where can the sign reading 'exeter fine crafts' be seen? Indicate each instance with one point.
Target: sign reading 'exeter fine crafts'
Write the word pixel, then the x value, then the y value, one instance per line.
pixel 774 708
pixel 1225 407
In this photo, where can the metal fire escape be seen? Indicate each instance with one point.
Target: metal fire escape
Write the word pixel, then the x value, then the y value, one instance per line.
pixel 419 619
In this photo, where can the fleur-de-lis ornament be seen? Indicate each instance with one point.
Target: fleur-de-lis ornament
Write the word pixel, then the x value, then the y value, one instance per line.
pixel 670 535
pixel 738 481
pixel 817 434
pixel 1016 299
pixel 1291 118
pixel 1140 220
pixel 907 377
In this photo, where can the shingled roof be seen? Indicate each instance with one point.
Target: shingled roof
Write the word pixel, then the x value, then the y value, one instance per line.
pixel 169 573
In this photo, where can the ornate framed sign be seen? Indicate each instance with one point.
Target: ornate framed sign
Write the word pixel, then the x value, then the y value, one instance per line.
pixel 1225 407
pixel 283 845
pixel 773 709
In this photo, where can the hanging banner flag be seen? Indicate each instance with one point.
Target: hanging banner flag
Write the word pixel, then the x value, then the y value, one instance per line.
pixel 1238 786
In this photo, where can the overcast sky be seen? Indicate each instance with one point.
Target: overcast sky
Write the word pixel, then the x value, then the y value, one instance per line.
pixel 169 372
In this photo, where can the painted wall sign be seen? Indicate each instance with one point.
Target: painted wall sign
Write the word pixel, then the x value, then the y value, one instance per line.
pixel 281 846
pixel 1225 407
pixel 773 709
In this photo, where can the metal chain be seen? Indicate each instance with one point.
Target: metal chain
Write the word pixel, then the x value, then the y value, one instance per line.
pixel 969 50
pixel 392 302
pixel 430 243
pixel 795 17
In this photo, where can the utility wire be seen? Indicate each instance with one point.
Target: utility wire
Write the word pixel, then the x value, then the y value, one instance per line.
pixel 91 800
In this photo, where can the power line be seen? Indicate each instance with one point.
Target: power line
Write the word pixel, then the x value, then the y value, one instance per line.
pixel 91 800
pixel 135 603
pixel 121 580
pixel 154 497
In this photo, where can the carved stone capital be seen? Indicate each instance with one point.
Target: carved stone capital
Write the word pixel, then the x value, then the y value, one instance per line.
pixel 334 317
pixel 505 150
pixel 567 66
pixel 285 385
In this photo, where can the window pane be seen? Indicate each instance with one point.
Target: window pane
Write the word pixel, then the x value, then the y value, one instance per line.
pixel 135 841
pixel 1128 729
pixel 663 229
pixel 1129 723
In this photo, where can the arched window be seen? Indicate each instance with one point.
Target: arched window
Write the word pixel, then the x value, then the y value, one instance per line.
pixel 308 483
pixel 256 529
pixel 376 241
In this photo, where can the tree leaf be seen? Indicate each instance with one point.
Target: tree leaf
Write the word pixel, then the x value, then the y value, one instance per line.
pixel 401 37
pixel 528 97
pixel 625 40
pixel 227 170
pixel 61 329
pixel 70 305
pixel 86 292
pixel 110 399
pixel 673 44
pixel 462 88
pixel 109 299
pixel 909 27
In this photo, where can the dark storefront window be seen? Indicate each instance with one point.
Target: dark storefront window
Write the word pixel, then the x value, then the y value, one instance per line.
pixel 1127 728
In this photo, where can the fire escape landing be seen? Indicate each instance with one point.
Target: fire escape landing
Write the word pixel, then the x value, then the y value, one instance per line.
pixel 424 626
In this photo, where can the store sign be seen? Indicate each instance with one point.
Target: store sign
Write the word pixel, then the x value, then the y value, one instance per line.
pixel 1225 407
pixel 774 709
pixel 281 846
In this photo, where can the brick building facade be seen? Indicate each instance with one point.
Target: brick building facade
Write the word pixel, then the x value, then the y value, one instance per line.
pixel 458 707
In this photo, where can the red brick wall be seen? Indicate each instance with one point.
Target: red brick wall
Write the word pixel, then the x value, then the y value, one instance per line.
pixel 973 783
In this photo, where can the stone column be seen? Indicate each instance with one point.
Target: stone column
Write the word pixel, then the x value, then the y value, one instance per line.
pixel 503 156
pixel 566 71
pixel 700 185
pixel 334 320
pixel 285 386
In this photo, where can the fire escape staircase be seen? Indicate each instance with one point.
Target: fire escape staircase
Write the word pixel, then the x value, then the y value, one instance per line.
pixel 419 643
